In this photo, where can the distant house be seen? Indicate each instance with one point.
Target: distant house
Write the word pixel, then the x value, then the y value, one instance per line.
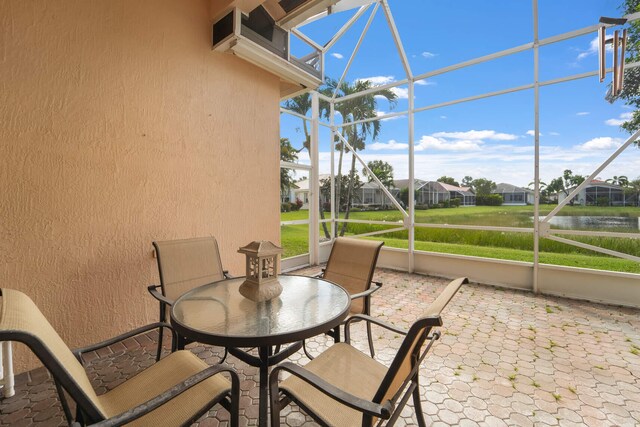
pixel 289 195
pixel 418 184
pixel 466 196
pixel 600 193
pixel 425 194
pixel 513 195
pixel 370 194
pixel 433 192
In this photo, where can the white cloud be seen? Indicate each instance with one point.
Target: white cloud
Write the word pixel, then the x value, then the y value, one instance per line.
pixel 476 135
pixel 583 113
pixel 601 143
pixel 428 55
pixel 379 80
pixel 391 145
pixel 401 92
pixel 337 55
pixel 435 143
pixel 443 117
pixel 554 134
pixel 382 113
pixel 425 82
pixel 533 133
pixel 592 49
pixel 617 122
pixel 498 162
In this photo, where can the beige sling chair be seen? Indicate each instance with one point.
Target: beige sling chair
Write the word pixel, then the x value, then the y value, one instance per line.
pixel 344 387
pixel 175 391
pixel 351 265
pixel 183 265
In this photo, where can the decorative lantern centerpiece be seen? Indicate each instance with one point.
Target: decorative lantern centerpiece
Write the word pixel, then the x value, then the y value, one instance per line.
pixel 261 283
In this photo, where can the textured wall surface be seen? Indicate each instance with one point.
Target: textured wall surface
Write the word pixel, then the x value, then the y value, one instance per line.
pixel 119 126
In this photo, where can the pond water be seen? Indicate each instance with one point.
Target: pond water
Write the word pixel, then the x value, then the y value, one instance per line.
pixel 602 223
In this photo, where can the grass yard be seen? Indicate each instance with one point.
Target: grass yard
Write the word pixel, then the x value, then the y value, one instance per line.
pixel 489 244
pixel 502 216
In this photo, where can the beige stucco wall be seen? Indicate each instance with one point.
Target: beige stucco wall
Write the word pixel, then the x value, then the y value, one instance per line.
pixel 119 126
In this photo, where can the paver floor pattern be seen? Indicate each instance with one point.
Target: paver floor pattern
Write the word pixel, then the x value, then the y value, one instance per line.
pixel 506 357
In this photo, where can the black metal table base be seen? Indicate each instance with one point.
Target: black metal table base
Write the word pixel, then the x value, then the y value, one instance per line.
pixel 266 359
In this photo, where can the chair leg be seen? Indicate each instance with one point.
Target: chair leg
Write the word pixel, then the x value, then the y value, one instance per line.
pixel 306 352
pixel 181 342
pixel 163 318
pixel 234 410
pixel 371 349
pixel 336 334
pixel 417 404
pixel 64 403
pixel 274 398
pixel 160 336
pixel 224 356
pixel 231 402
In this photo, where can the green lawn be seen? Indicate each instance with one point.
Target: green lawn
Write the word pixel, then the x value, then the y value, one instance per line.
pixel 504 216
pixel 295 239
pixel 489 244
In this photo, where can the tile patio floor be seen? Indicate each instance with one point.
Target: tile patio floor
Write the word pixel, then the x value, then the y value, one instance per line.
pixel 505 358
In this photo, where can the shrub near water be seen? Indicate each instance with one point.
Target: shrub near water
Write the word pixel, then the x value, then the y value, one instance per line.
pixel 488 200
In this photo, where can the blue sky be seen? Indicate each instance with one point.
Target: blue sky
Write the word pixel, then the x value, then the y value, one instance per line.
pixel 489 138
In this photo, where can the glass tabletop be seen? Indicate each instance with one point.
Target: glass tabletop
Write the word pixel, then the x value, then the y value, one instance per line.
pixel 218 314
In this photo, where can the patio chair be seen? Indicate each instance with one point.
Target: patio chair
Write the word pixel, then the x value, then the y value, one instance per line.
pixel 174 391
pixel 344 387
pixel 183 265
pixel 351 265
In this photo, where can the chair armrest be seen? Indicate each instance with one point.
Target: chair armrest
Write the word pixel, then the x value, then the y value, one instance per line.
pixel 347 399
pixel 369 319
pixel 374 287
pixel 78 352
pixel 153 290
pixel 152 404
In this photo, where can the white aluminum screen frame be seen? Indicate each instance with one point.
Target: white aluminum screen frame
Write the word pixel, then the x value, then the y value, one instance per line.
pixel 541 227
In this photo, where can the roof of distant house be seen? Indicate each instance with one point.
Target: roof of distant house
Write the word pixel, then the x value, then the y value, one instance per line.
pixel 404 183
pixel 371 185
pixel 599 183
pixel 450 187
pixel 303 184
pixel 503 187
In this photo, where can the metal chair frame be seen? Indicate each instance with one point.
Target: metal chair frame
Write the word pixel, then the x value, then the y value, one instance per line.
pixel 366 295
pixel 87 412
pixel 388 410
pixel 165 302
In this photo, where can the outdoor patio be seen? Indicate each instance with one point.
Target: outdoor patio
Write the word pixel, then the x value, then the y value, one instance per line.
pixel 505 358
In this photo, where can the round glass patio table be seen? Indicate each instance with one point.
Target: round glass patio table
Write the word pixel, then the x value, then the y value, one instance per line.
pixel 218 314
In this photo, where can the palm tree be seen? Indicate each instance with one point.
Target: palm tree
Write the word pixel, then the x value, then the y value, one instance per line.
pixel 634 190
pixel 532 184
pixel 359 108
pixel 301 104
pixel 621 180
pixel 287 154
